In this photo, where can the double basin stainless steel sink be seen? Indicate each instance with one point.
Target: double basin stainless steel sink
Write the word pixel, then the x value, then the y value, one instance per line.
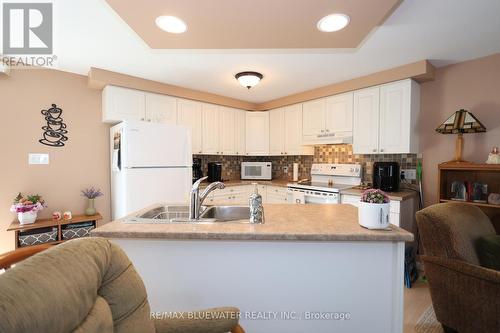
pixel 180 214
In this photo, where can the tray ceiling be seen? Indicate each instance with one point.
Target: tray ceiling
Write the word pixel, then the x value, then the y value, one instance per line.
pixel 256 24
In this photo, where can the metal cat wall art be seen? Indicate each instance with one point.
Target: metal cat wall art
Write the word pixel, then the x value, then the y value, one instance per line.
pixel 54 133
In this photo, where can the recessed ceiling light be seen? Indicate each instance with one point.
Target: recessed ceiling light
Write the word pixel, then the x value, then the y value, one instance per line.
pixel 249 79
pixel 171 24
pixel 333 22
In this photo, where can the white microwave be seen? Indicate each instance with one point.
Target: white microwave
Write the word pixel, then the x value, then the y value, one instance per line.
pixel 256 170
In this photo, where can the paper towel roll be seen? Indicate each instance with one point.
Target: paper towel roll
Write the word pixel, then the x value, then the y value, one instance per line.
pixel 295 172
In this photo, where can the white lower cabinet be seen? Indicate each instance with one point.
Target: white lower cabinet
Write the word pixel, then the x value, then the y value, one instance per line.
pixel 240 195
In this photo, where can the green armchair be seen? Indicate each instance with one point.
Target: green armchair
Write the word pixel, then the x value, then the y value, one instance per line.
pixel 465 296
pixel 89 285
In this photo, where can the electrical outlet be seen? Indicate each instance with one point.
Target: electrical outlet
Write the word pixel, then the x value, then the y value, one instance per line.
pixel 285 169
pixel 410 174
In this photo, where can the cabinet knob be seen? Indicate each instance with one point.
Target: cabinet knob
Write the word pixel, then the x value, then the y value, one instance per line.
pixel 381 150
pixel 374 150
pixel 328 130
pixel 286 153
pixel 322 131
pixel 142 118
pixel 149 120
pixel 199 152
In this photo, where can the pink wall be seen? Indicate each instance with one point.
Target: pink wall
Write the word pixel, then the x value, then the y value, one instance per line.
pixel 81 163
pixel 473 85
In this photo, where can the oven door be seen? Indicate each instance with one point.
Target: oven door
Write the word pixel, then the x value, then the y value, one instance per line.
pixel 302 196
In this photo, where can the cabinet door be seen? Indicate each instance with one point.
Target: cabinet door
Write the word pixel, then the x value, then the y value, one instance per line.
pixel 293 132
pixel 189 115
pixel 227 144
pixel 395 117
pixel 257 133
pixel 366 121
pixel 119 104
pixel 313 119
pixel 277 132
pixel 210 129
pixel 240 132
pixel 339 111
pixel 161 109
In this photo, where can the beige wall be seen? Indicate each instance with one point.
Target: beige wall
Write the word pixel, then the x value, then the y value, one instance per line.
pixel 473 85
pixel 82 162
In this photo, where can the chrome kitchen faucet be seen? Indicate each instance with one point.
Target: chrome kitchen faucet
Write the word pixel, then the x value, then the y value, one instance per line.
pixel 196 199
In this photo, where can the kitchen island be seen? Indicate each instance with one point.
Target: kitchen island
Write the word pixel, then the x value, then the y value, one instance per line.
pixel 308 268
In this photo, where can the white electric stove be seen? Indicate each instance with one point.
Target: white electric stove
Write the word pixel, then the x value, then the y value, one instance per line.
pixel 327 180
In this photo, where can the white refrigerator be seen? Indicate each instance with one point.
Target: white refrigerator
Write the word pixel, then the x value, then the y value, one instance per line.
pixel 150 163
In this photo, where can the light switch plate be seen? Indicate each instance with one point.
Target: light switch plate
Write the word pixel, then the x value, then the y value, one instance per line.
pixel 38 158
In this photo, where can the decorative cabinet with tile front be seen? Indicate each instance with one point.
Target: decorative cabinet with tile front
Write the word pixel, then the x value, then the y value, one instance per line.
pixel 385 119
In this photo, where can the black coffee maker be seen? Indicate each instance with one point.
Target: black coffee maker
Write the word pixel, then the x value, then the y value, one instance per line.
pixel 197 171
pixel 386 176
pixel 214 172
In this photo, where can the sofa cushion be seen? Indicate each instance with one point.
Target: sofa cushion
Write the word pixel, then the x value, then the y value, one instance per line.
pixel 488 249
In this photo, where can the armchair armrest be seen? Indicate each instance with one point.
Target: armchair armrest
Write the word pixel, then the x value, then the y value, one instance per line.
pixel 214 320
pixel 466 297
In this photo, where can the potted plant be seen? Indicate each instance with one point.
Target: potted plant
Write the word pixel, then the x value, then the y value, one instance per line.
pixel 373 210
pixel 91 194
pixel 27 208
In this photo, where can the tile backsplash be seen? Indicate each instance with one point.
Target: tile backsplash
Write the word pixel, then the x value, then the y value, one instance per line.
pixel 231 165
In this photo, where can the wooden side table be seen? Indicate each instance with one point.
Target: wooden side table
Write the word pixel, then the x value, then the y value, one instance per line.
pixel 58 228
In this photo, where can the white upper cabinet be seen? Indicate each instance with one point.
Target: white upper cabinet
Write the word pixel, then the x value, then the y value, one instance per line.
pixel 189 115
pixel 161 109
pixel 385 118
pixel 293 132
pixel 239 132
pixel 277 132
pixel 120 104
pixel 366 121
pixel 210 129
pixel 328 120
pixel 339 113
pixel 313 120
pixel 227 129
pixel 399 109
pixel 257 133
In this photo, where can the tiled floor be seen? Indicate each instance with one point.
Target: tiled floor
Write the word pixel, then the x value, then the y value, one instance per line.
pixel 416 301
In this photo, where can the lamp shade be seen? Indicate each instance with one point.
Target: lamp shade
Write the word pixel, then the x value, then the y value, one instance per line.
pixel 462 121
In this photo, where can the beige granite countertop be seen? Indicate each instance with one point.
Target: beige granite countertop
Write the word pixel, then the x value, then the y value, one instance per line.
pixel 237 182
pixel 397 196
pixel 283 222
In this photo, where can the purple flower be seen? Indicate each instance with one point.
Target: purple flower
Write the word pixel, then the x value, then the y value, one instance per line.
pixel 91 193
pixel 374 196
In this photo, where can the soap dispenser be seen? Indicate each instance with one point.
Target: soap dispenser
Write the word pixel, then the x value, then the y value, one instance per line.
pixel 256 209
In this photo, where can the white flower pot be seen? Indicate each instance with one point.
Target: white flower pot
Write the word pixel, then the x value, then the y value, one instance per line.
pixel 373 216
pixel 27 217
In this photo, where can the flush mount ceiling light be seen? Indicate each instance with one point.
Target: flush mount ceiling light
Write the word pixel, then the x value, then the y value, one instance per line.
pixel 171 24
pixel 333 22
pixel 248 79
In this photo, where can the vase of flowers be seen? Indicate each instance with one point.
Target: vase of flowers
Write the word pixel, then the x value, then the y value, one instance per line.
pixel 27 208
pixel 91 194
pixel 373 210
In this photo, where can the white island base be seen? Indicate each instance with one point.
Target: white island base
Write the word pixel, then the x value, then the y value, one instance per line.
pixel 279 286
